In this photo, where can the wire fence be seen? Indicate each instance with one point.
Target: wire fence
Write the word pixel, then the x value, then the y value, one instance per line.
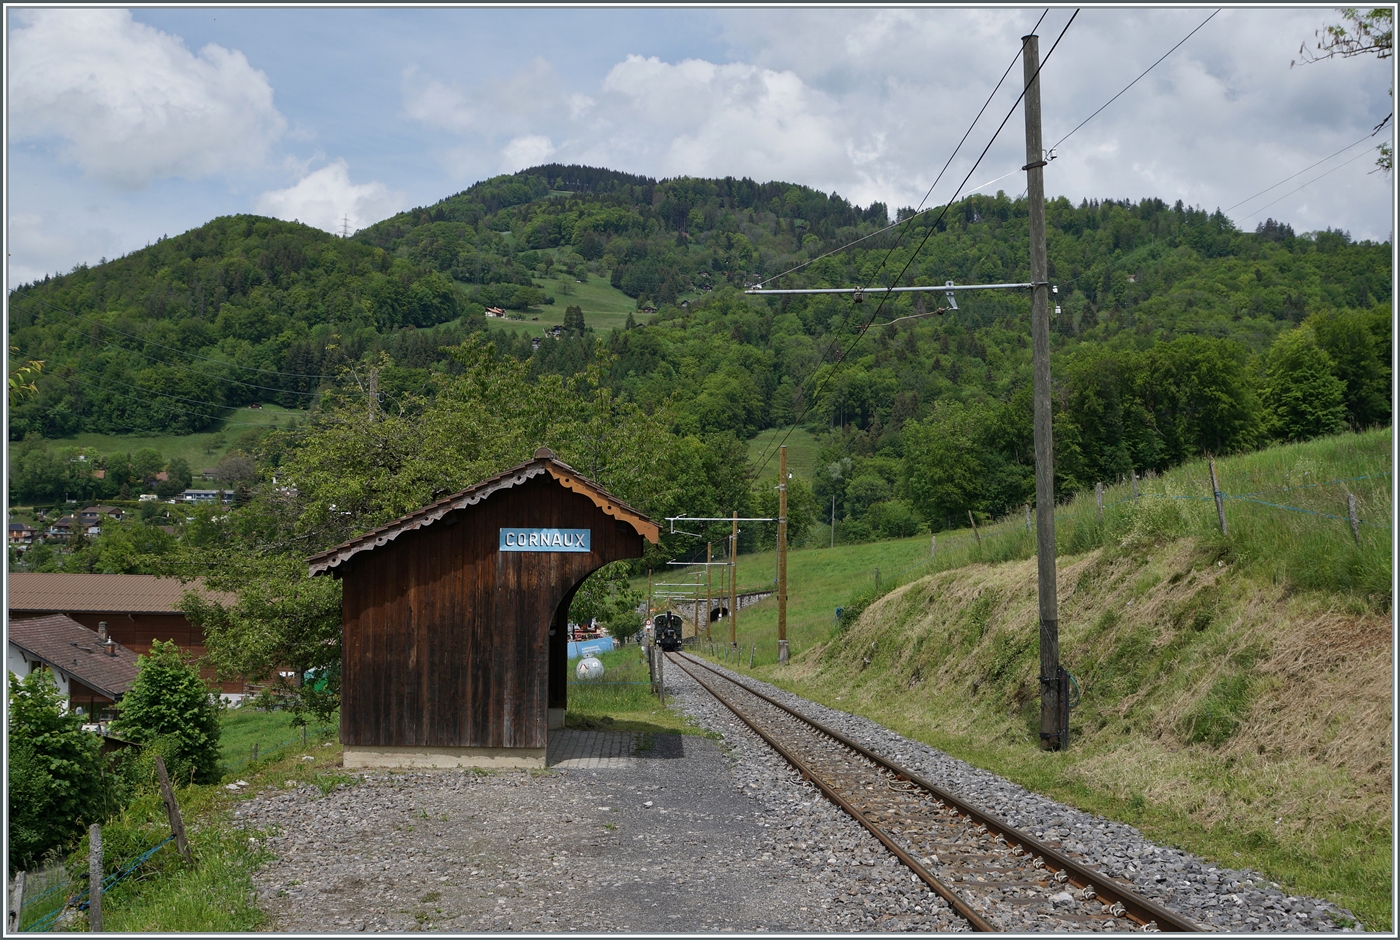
pixel 79 901
pixel 941 545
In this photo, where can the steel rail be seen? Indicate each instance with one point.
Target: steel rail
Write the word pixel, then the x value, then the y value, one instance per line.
pixel 1138 908
pixel 939 888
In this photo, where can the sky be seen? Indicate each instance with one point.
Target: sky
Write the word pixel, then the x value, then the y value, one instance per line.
pixel 123 126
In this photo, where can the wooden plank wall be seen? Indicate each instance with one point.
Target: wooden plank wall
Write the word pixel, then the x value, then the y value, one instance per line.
pixel 446 638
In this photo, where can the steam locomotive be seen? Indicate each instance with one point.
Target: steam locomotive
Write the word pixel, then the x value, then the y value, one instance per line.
pixel 667 630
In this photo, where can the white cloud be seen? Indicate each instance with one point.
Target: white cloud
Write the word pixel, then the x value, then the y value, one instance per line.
pixel 525 151
pixel 870 102
pixel 131 103
pixel 326 197
pixel 511 105
pixel 48 246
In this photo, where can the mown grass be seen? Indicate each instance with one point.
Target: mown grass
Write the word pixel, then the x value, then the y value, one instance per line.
pixel 802 448
pixel 199 450
pixel 622 699
pixel 604 306
pixel 272 731
pixel 1236 693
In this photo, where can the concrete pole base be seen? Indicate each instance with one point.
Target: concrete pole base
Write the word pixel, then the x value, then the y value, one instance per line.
pixel 782 651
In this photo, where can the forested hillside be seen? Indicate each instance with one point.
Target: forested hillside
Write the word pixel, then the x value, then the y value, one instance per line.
pixel 1175 333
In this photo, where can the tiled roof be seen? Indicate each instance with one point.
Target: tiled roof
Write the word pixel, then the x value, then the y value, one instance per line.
pixel 543 462
pixel 65 644
pixel 115 593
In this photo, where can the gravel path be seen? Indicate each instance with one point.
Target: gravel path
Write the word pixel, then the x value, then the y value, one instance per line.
pixel 688 835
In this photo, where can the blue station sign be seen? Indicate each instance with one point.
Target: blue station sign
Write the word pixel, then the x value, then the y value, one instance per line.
pixel 546 540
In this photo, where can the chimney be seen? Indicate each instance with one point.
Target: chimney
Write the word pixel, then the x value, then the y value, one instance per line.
pixel 102 631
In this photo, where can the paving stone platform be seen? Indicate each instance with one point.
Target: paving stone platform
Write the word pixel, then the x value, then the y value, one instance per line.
pixel 591 749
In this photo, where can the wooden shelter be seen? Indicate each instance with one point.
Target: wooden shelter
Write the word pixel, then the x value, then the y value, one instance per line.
pixel 455 617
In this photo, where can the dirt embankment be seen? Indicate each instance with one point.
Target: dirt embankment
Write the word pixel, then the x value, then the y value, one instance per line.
pixel 1207 694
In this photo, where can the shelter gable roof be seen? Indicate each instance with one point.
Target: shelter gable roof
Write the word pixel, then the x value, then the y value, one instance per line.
pixel 102 593
pixel 62 643
pixel 544 462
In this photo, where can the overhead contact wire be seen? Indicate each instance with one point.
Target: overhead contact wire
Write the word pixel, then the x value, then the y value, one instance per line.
pixel 927 235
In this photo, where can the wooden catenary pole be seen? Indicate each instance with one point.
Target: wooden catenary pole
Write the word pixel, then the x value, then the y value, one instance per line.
pixel 1051 737
pixel 172 808
pixel 782 554
pixel 709 547
pixel 734 583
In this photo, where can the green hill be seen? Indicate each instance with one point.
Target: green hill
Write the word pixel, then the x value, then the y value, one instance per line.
pixel 1176 333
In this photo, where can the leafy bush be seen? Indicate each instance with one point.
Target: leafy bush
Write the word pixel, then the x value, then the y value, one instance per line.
pixel 55 770
pixel 625 625
pixel 172 712
pixel 893 519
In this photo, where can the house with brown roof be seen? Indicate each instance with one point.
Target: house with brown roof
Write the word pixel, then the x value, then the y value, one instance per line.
pixel 21 534
pixel 96 515
pixel 137 609
pixel 92 671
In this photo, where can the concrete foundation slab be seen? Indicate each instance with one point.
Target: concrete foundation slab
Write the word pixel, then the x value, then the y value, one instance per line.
pixel 429 758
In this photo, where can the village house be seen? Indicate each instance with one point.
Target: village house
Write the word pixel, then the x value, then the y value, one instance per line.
pixel 92 671
pixel 92 517
pixel 21 534
pixel 206 496
pixel 138 609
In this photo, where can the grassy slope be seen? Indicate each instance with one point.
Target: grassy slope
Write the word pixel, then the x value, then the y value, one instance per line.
pixel 802 449
pixel 603 305
pixel 199 450
pixel 1237 694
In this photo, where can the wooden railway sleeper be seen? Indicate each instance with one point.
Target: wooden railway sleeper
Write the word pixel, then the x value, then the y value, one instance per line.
pixel 1144 910
pixel 958 904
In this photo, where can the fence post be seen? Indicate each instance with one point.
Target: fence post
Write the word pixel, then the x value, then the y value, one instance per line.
pixel 255 751
pixel 933 547
pixel 1219 497
pixel 172 809
pixel 1098 499
pixel 974 527
pixel 1353 518
pixel 1028 517
pixel 1133 475
pixel 95 878
pixel 752 650
pixel 303 736
pixel 16 913
pixel 877 579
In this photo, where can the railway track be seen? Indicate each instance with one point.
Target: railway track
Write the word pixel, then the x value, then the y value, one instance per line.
pixel 997 877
